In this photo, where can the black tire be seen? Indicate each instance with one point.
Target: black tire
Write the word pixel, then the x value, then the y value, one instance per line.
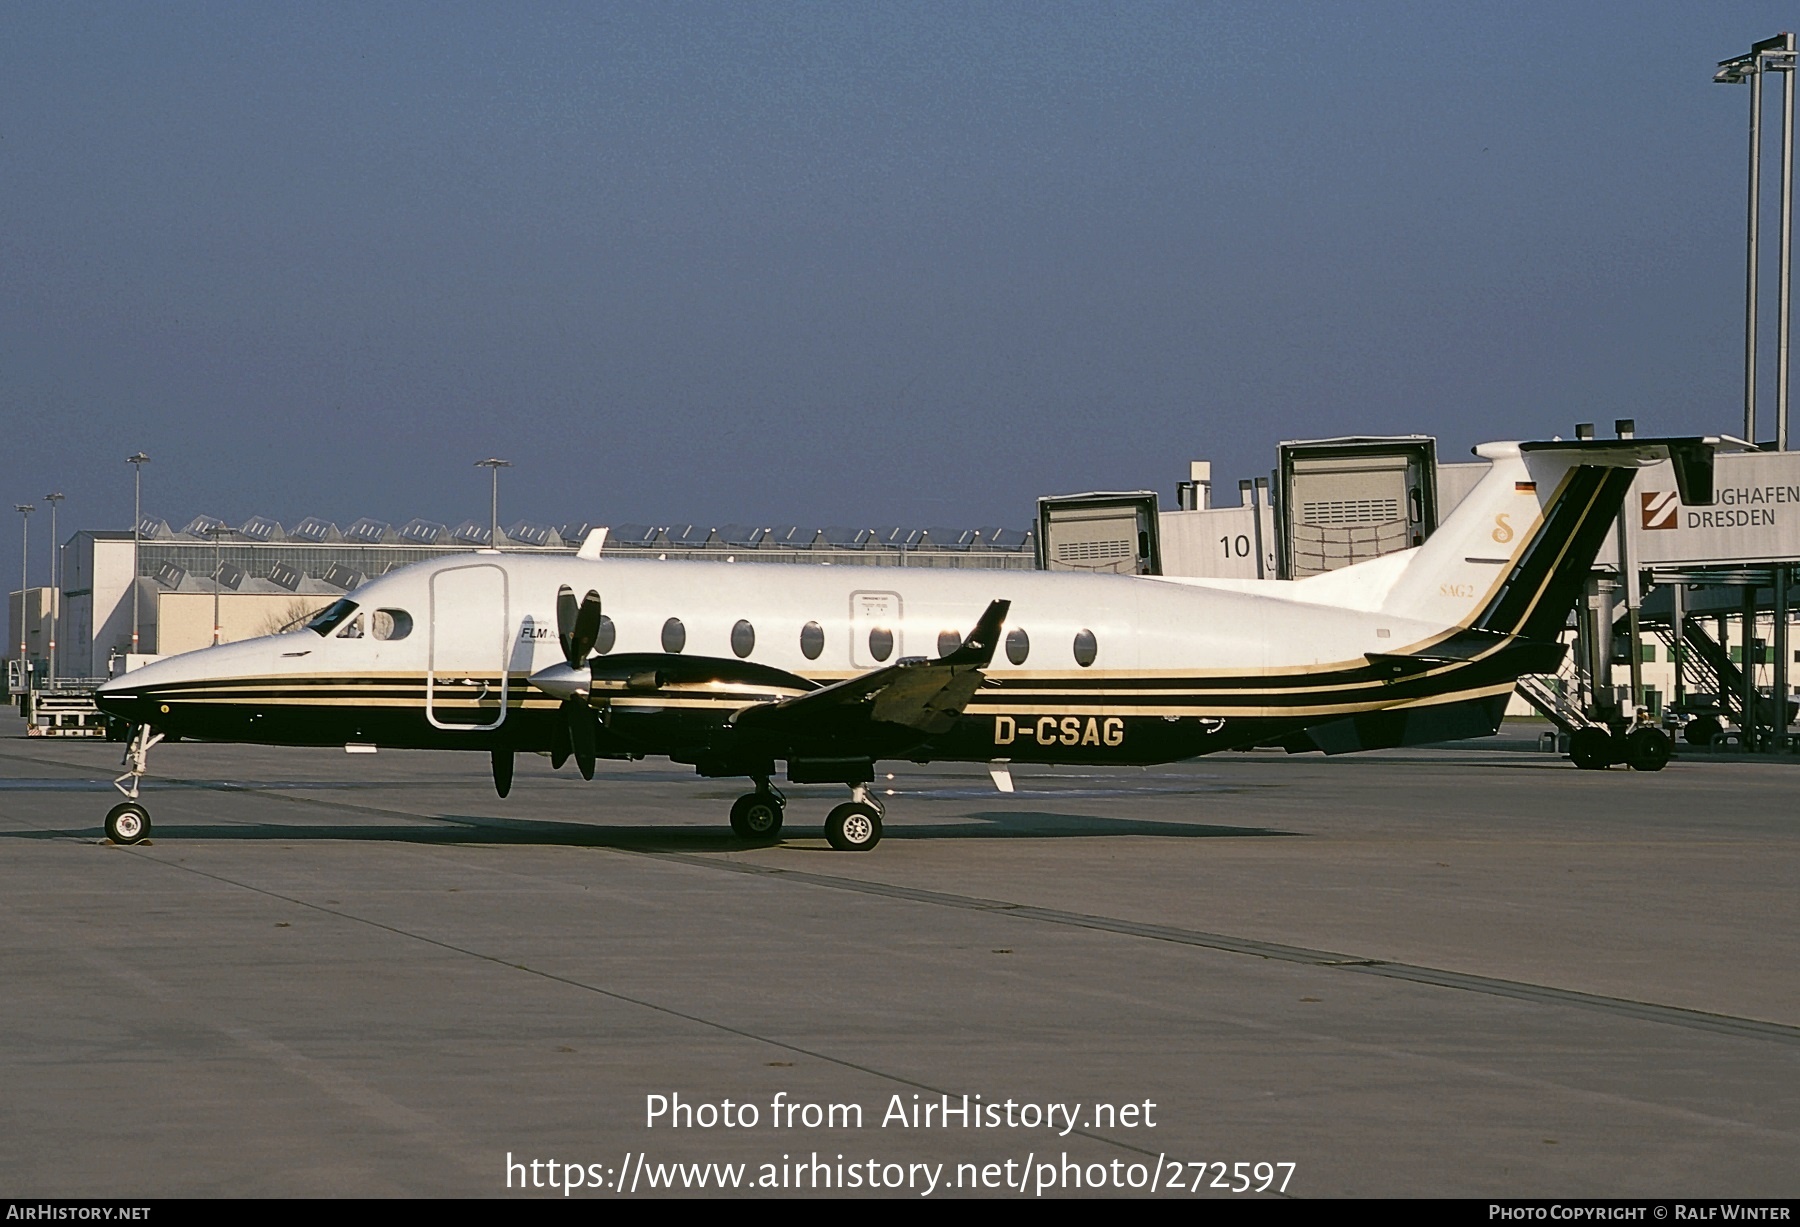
pixel 1648 749
pixel 1701 730
pixel 852 827
pixel 1591 749
pixel 128 823
pixel 756 815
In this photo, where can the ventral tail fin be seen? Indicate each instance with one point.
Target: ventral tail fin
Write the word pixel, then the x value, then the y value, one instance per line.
pixel 1513 556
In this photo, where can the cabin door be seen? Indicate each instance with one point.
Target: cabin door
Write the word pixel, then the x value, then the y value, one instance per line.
pixel 466 685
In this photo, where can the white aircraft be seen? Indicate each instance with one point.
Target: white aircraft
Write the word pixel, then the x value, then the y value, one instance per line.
pixel 734 668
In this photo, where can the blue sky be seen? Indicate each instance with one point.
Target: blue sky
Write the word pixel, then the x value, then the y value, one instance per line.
pixel 839 263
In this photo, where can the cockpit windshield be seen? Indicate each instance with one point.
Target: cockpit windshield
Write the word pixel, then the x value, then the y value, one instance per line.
pixel 331 616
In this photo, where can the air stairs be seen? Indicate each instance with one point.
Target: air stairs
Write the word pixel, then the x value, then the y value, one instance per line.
pixel 1551 695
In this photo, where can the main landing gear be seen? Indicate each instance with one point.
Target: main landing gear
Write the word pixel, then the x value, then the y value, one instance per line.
pixel 854 826
pixel 757 815
pixel 129 822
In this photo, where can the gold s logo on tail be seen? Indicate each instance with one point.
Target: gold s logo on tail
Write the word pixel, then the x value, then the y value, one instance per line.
pixel 1502 530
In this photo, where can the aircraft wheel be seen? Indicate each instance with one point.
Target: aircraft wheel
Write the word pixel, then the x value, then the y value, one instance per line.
pixel 128 823
pixel 1701 730
pixel 1647 749
pixel 1591 749
pixel 853 827
pixel 756 815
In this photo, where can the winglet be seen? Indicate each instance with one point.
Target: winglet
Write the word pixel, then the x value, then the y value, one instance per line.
pixel 592 544
pixel 978 648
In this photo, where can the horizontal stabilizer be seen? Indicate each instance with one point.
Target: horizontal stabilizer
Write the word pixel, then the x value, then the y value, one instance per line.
pixel 1691 457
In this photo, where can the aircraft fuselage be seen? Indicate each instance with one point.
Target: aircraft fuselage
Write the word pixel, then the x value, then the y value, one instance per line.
pixel 1091 669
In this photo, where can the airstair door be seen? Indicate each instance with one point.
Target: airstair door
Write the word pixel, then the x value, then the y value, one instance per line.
pixel 466 685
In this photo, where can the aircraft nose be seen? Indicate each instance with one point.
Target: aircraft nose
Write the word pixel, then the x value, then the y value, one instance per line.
pixel 123 699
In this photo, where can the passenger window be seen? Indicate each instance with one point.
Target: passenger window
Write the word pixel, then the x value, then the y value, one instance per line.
pixel 743 639
pixel 390 624
pixel 881 643
pixel 948 642
pixel 674 636
pixel 353 629
pixel 812 640
pixel 1018 645
pixel 1086 648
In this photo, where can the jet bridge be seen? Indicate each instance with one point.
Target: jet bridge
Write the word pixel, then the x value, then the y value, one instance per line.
pixel 1712 586
pixel 1328 503
pixel 1352 499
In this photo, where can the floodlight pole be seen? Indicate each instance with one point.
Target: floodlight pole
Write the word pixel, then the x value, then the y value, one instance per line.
pixel 494 466
pixel 1750 278
pixel 1626 428
pixel 55 582
pixel 1775 54
pixel 24 510
pixel 1783 326
pixel 1769 55
pixel 1786 269
pixel 1779 638
pixel 219 532
pixel 137 461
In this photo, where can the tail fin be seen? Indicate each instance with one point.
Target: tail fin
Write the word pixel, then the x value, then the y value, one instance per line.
pixel 1513 556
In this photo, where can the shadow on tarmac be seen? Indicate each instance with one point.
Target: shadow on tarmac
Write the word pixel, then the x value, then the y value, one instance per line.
pixel 453 829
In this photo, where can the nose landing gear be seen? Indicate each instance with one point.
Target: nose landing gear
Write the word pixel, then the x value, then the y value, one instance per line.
pixel 129 823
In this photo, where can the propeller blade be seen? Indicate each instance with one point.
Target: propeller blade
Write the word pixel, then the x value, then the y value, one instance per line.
pixel 559 737
pixel 578 627
pixel 503 771
pixel 565 622
pixel 582 737
pixel 587 629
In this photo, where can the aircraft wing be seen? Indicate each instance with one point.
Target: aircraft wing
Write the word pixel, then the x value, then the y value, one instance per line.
pixel 925 695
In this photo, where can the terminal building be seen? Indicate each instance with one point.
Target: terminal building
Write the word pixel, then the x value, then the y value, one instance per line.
pixel 1689 615
pixel 263 576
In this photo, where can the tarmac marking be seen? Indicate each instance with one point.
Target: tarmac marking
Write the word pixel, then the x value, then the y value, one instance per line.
pixel 1699 1020
pixel 421 1129
pixel 402 1113
pixel 396 1114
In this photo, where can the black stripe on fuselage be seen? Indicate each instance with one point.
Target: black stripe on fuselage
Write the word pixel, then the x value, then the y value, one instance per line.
pixel 1347 691
pixel 1302 683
